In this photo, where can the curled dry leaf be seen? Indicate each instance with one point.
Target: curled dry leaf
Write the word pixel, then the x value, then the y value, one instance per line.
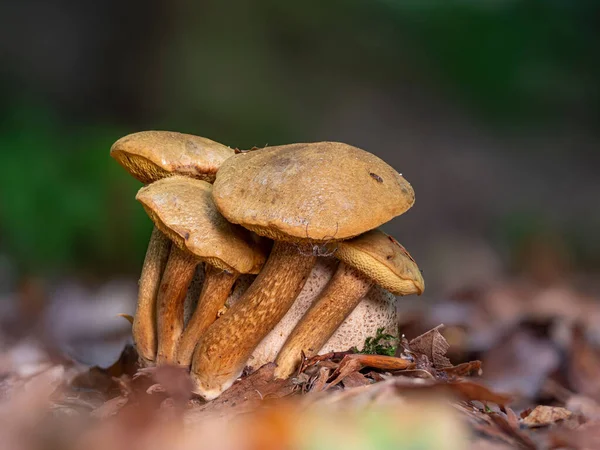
pixel 353 363
pixel 433 345
pixel 468 369
pixel 546 415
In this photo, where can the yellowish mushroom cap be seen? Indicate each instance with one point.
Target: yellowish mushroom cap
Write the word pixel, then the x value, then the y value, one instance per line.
pixel 182 208
pixel 152 155
pixel 381 258
pixel 323 191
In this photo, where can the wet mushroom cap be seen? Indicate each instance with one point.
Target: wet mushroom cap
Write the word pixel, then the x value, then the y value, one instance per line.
pixel 324 191
pixel 152 155
pixel 382 259
pixel 182 208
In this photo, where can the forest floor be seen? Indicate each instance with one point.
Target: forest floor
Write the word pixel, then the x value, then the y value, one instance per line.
pixel 516 365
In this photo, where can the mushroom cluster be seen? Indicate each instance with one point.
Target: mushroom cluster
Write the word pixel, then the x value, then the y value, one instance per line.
pixel 303 218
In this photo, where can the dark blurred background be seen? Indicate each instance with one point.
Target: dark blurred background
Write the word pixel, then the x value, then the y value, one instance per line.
pixel 490 109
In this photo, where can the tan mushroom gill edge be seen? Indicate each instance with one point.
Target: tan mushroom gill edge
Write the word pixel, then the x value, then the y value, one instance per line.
pixel 149 156
pixel 373 258
pixel 299 195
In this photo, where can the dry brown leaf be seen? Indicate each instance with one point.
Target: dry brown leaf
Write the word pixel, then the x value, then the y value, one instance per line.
pixel 512 418
pixel 584 437
pixel 356 379
pixel 433 345
pixel 585 406
pixel 110 408
pixel 477 392
pixel 347 367
pixel 468 369
pixel 522 440
pixel 354 363
pixel 546 415
pixel 584 366
pixel 321 380
pixel 175 381
pixel 247 394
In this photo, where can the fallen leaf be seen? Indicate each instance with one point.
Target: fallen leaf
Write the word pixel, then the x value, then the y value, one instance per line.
pixel 433 345
pixel 355 379
pixel 321 380
pixel 354 363
pixel 521 438
pixel 247 394
pixel 512 418
pixel 584 366
pixel 468 369
pixel 477 392
pixel 546 415
pixel 175 380
pixel 584 437
pixel 110 408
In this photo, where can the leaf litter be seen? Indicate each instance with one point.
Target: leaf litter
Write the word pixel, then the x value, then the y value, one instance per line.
pixel 65 405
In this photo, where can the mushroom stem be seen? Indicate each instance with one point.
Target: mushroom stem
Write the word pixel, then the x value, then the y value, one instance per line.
pixel 215 291
pixel 223 351
pixel 341 295
pixel 144 322
pixel 176 279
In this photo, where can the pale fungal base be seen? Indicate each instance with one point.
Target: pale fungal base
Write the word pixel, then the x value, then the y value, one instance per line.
pixel 376 310
pixel 223 351
pixel 215 291
pixel 341 295
pixel 176 279
pixel 144 323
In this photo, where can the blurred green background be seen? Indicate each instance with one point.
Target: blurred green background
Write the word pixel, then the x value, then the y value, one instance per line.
pixel 489 108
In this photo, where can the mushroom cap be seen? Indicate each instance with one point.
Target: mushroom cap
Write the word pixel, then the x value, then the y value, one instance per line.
pixel 152 155
pixel 380 257
pixel 183 209
pixel 316 192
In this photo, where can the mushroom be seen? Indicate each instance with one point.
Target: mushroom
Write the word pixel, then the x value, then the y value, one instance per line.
pixel 149 156
pixel 302 196
pixel 373 258
pixel 182 208
pixel 376 310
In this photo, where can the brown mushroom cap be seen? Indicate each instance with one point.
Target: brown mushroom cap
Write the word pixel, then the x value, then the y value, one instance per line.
pixel 182 208
pixel 381 258
pixel 152 155
pixel 324 191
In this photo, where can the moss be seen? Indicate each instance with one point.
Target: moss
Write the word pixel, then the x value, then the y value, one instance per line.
pixel 380 344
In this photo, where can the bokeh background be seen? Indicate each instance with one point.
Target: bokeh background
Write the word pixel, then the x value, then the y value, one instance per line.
pixel 490 109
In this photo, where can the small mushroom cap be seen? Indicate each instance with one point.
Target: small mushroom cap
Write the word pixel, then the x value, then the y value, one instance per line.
pixel 183 209
pixel 380 257
pixel 152 155
pixel 320 192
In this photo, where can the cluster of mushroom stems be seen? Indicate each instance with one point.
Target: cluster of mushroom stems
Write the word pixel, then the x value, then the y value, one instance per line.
pixel 275 213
